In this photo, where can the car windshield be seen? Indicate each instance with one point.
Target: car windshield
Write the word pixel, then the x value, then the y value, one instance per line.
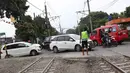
pixel 47 39
pixel 94 32
pixel 28 44
pixel 76 37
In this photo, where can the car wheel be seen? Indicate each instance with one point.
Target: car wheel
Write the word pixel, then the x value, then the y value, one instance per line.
pixel 95 43
pixel 33 53
pixel 77 48
pixel 55 50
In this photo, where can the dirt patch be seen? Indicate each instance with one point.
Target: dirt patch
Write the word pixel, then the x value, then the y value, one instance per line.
pixel 14 65
pixel 89 65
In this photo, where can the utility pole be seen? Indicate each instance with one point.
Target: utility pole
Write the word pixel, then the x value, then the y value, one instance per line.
pixel 47 22
pixel 34 15
pixel 81 12
pixel 78 23
pixel 91 26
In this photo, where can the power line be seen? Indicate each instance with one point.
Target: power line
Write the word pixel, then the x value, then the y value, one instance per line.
pixel 115 1
pixel 35 6
pixel 108 5
pixel 51 8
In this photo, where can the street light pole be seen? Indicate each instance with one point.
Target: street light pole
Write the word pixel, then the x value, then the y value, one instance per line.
pixel 78 24
pixel 90 20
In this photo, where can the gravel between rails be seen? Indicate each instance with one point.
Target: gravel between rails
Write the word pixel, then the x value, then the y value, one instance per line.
pixel 38 66
pixel 13 65
pixel 90 65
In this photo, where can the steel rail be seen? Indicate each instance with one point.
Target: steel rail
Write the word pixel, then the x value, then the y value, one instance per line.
pixel 48 66
pixel 29 65
pixel 116 67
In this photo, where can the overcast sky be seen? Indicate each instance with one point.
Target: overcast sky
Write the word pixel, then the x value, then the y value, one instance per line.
pixel 67 11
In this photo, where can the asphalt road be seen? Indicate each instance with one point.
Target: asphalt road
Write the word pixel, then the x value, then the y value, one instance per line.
pixel 13 65
pixel 123 49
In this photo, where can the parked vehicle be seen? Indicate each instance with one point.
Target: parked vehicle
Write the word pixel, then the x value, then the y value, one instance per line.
pixel 46 42
pixel 67 42
pixel 20 49
pixel 114 30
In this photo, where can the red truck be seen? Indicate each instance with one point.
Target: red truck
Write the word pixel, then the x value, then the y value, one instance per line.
pixel 113 30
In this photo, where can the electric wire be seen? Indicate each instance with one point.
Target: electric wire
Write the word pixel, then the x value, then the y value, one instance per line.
pixel 35 6
pixel 105 7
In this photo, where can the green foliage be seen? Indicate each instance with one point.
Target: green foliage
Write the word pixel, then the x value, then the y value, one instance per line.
pixel 25 31
pixel 99 18
pixel 31 29
pixel 127 12
pixel 26 28
pixel 15 8
pixel 42 30
pixel 114 15
pixel 122 15
pixel 71 31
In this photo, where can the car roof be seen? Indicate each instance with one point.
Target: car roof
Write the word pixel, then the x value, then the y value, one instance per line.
pixel 13 43
pixel 65 35
pixel 16 43
pixel 106 26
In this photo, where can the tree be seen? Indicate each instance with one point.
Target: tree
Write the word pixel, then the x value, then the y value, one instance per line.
pixel 25 31
pixel 71 31
pixel 99 18
pixel 127 12
pixel 122 15
pixel 32 29
pixel 16 8
pixel 41 27
pixel 114 15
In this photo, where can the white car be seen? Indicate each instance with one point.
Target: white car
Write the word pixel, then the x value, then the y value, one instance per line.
pixel 67 42
pixel 20 49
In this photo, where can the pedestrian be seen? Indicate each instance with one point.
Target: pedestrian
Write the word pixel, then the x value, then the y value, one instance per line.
pixel 102 35
pixel 84 39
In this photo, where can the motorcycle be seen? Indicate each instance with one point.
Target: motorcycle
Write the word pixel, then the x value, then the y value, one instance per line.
pixel 113 42
pixel 109 41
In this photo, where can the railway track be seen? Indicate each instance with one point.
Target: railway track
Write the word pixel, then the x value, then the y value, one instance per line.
pixel 40 65
pixel 122 65
pixel 119 64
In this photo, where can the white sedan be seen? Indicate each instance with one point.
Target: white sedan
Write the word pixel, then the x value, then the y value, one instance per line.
pixel 20 49
pixel 67 42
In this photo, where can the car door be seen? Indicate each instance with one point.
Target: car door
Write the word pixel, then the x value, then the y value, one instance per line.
pixel 61 43
pixel 12 49
pixel 23 49
pixel 69 42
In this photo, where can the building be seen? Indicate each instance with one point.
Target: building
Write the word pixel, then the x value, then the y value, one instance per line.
pixel 6 39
